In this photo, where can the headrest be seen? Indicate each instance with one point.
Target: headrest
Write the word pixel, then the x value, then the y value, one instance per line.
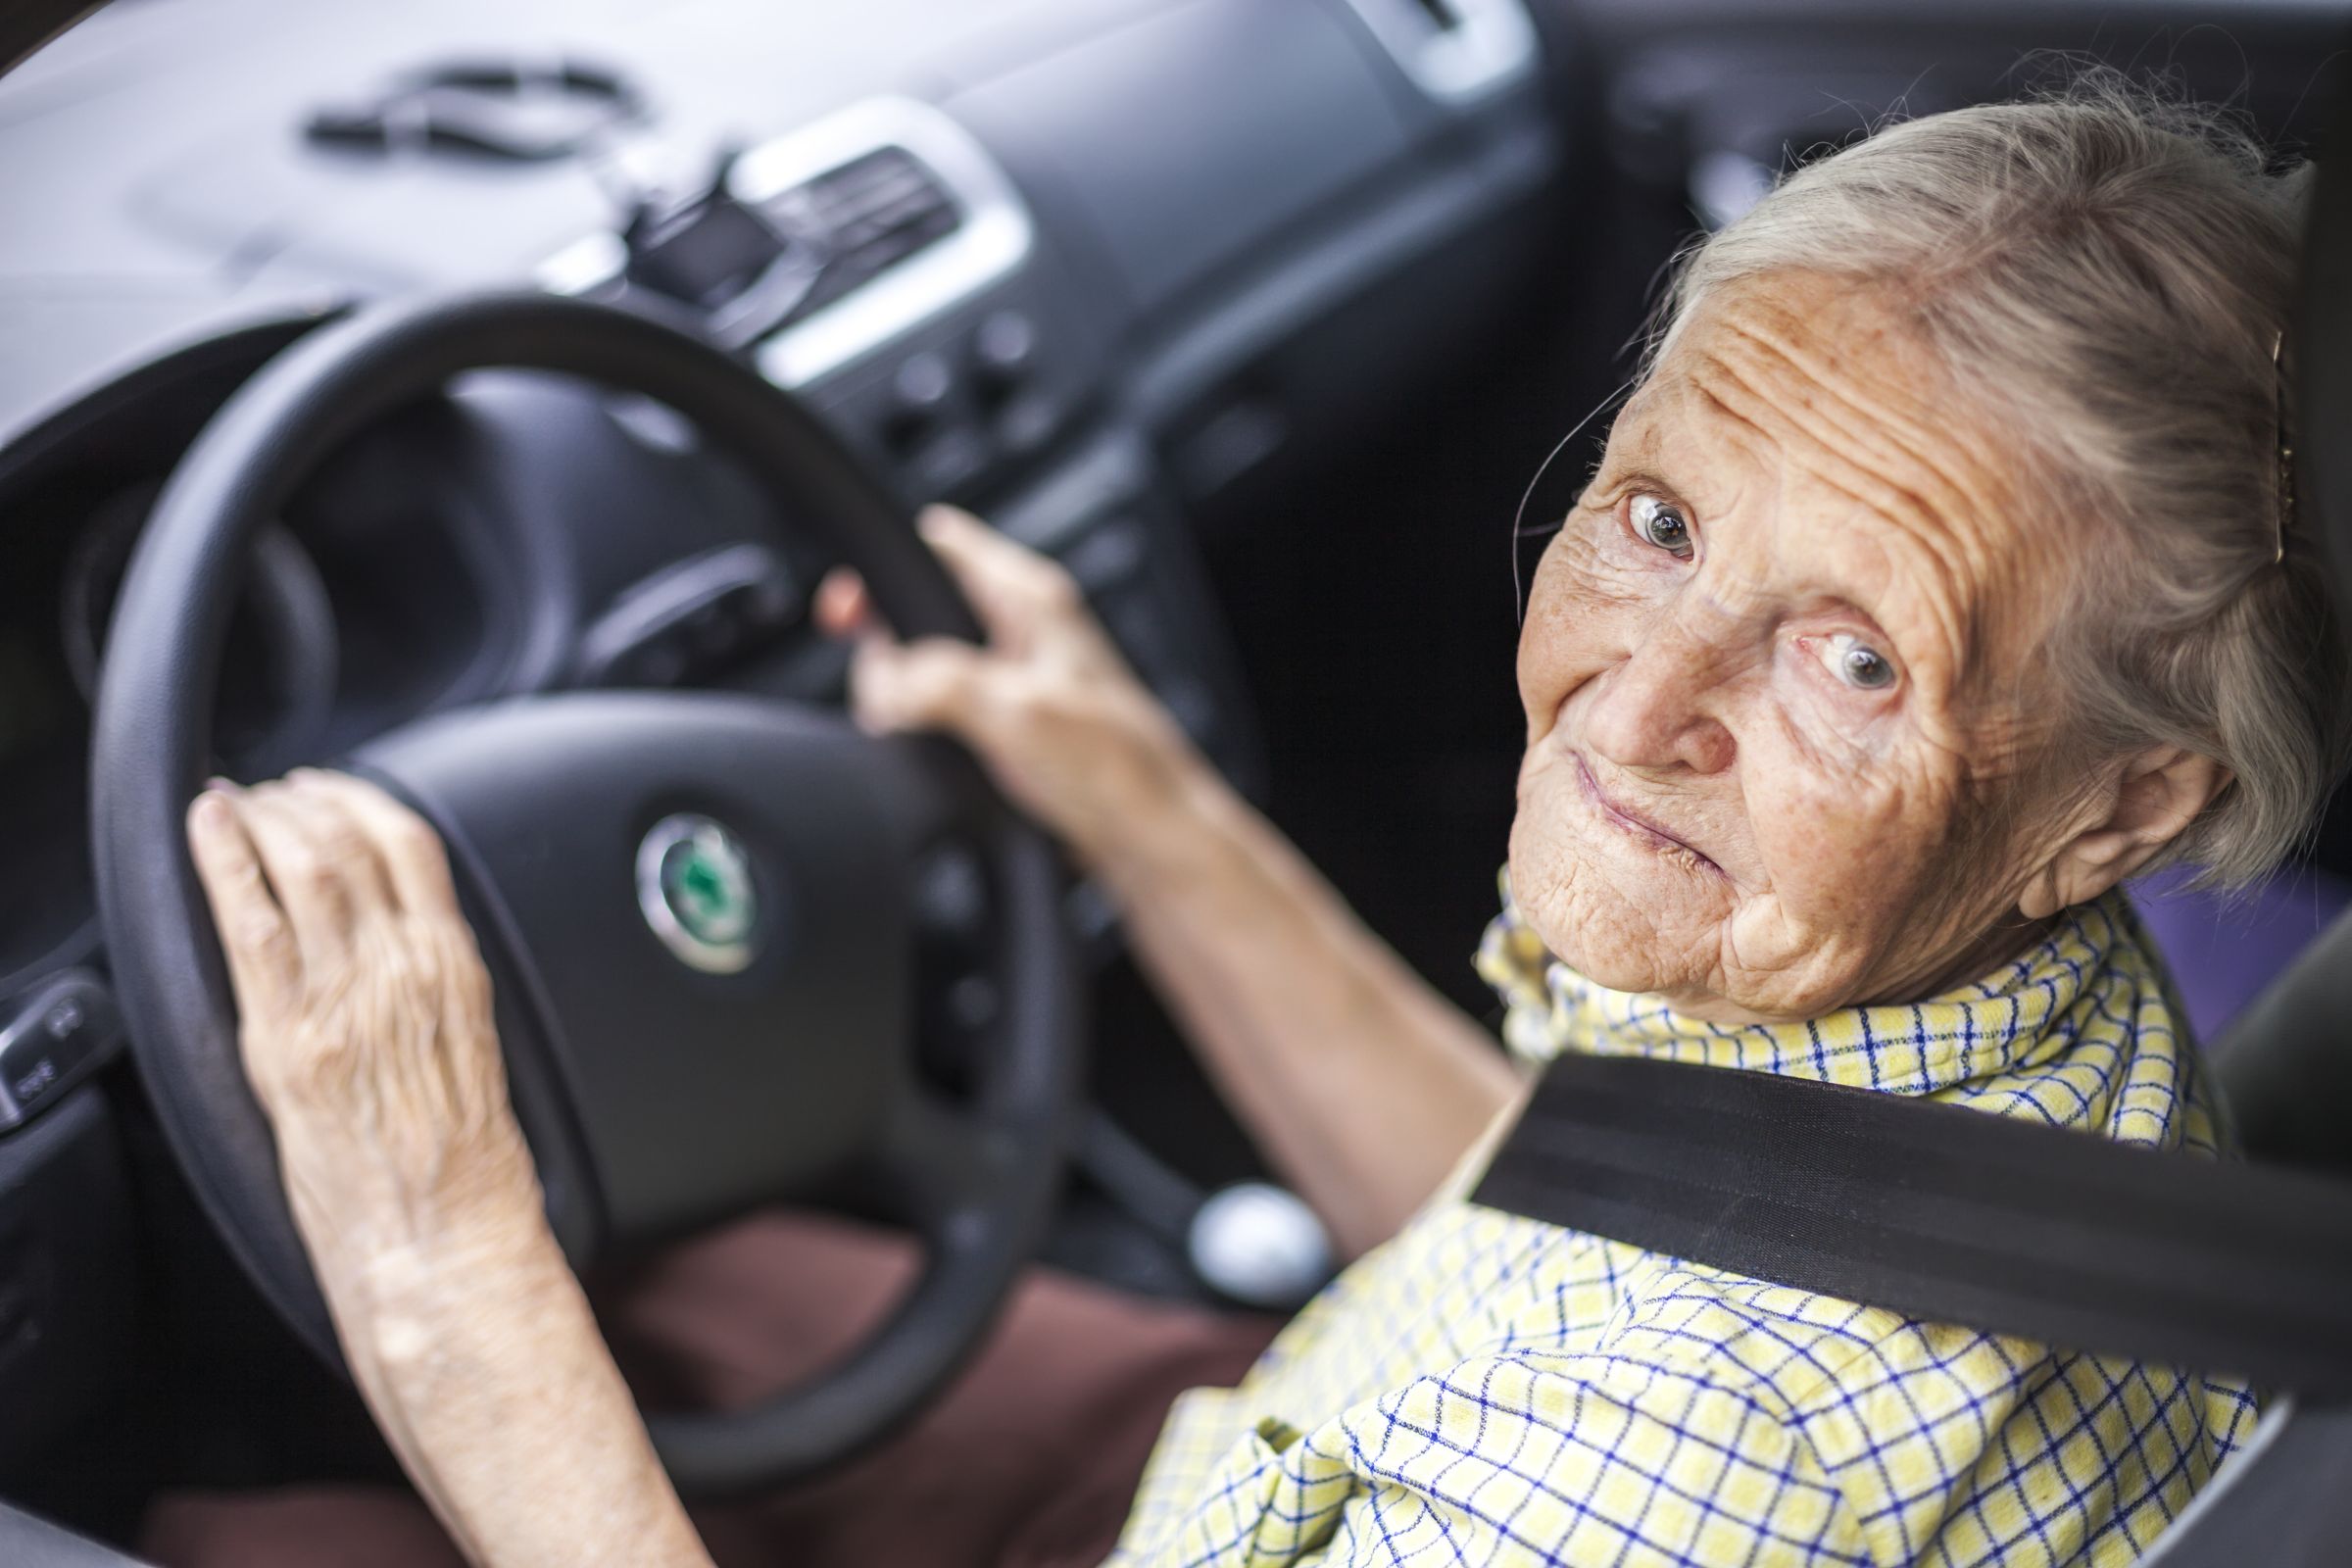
pixel 2323 364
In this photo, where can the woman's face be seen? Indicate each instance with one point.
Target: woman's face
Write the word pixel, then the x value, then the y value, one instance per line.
pixel 1763 775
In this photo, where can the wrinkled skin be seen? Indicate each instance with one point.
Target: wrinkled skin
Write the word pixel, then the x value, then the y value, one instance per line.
pixel 364 1017
pixel 1718 802
pixel 363 1009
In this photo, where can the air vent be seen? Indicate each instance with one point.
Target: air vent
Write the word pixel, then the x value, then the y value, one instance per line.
pixel 873 212
pixel 1455 50
pixel 889 216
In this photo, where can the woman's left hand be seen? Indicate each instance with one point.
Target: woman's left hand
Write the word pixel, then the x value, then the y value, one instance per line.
pixel 364 1019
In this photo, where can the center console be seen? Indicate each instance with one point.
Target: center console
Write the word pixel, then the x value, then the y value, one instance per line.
pixel 880 265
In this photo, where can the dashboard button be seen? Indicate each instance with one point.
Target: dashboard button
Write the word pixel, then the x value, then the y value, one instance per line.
pixel 1027 423
pixel 919 393
pixel 923 383
pixel 50 1040
pixel 950 459
pixel 1005 344
pixel 1108 553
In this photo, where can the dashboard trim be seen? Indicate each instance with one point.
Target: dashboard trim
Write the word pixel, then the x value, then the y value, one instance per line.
pixel 990 243
pixel 1490 44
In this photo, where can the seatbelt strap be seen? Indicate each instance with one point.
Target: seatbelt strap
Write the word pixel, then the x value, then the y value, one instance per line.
pixel 1946 1214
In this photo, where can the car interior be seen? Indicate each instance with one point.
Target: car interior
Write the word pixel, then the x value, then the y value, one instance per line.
pixel 559 350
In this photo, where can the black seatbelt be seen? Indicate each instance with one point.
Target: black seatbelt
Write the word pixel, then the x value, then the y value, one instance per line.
pixel 1946 1214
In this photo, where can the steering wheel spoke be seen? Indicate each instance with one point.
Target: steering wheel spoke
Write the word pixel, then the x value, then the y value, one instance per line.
pixel 939 1160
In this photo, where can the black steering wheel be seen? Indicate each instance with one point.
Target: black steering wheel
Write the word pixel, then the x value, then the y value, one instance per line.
pixel 699 908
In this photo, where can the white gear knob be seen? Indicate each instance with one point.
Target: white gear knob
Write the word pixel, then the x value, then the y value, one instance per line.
pixel 1259 1244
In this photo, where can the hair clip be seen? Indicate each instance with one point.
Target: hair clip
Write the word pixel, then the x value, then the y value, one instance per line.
pixel 2284 484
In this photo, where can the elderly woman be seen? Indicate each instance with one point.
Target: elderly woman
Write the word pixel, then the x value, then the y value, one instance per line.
pixel 1940 575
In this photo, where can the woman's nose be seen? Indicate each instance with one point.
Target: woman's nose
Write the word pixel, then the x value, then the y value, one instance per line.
pixel 1659 707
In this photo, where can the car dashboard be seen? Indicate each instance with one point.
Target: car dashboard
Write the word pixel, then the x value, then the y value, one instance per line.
pixel 1030 258
pixel 945 247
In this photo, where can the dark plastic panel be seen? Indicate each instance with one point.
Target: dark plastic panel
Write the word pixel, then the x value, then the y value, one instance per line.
pixel 67 1274
pixel 1190 136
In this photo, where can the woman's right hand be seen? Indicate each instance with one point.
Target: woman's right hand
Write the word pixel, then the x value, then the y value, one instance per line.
pixel 1067 730
pixel 1281 987
pixel 365 1023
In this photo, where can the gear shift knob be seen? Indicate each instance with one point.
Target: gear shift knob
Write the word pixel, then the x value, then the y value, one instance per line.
pixel 1259 1244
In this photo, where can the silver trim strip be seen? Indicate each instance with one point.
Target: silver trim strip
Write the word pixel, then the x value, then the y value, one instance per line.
pixel 994 240
pixel 584 266
pixel 1491 45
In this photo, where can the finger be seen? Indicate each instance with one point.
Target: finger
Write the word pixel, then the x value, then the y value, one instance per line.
pixel 844 609
pixel 1012 586
pixel 411 853
pixel 941 521
pixel 970 544
pixel 929 684
pixel 340 839
pixel 263 967
pixel 310 886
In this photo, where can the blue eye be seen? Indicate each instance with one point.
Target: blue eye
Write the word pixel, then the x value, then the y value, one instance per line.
pixel 1662 523
pixel 1857 664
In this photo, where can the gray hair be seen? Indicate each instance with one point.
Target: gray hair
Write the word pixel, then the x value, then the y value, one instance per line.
pixel 2108 269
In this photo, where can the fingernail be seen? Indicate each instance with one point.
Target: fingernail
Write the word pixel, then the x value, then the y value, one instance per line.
pixel 224 786
pixel 213 809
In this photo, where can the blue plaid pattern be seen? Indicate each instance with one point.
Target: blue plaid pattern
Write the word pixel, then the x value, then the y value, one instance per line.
pixel 1486 1389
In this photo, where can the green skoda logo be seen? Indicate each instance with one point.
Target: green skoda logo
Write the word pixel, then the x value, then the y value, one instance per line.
pixel 693 884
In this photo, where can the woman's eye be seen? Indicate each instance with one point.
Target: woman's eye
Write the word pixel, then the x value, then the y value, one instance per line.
pixel 1662 523
pixel 1857 664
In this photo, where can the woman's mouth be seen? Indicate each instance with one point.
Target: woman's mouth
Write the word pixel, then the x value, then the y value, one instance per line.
pixel 1633 823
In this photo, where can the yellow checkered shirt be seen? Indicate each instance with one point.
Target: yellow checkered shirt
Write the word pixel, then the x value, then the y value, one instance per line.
pixel 1486 1389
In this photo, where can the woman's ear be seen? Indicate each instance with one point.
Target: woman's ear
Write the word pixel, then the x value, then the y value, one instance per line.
pixel 2154 797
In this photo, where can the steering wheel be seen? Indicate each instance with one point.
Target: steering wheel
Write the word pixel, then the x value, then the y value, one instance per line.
pixel 699 909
